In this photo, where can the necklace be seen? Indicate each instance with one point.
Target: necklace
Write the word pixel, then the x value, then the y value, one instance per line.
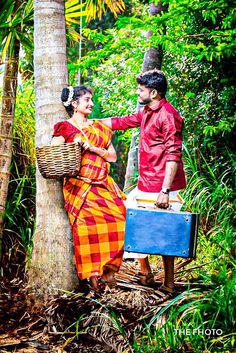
pixel 83 125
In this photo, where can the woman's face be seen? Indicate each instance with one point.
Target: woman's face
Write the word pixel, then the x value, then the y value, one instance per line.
pixel 84 104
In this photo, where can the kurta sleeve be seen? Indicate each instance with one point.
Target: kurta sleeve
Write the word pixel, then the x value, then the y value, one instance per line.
pixel 126 122
pixel 172 132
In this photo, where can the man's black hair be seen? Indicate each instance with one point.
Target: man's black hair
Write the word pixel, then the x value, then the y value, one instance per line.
pixel 154 79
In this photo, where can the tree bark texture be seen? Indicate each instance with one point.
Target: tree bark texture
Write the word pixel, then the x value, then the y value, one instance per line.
pixel 152 60
pixel 153 56
pixel 6 128
pixel 51 269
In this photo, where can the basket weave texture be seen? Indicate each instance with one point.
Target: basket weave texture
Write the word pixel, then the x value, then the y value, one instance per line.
pixel 58 161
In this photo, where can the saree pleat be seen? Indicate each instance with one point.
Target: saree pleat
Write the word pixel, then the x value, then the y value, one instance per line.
pixel 98 232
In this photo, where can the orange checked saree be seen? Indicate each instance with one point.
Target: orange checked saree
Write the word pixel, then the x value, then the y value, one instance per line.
pixel 94 204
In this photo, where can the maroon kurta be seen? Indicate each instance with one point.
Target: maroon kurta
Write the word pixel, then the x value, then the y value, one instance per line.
pixel 160 141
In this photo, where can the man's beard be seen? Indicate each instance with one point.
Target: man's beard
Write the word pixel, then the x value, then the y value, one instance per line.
pixel 145 101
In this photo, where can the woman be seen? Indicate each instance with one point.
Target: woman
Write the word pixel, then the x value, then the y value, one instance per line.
pixel 93 201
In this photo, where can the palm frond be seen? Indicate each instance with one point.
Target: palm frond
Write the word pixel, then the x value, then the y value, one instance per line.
pixel 71 6
pixel 99 7
pixel 6 46
pixel 6 10
pixel 75 14
pixel 25 40
pixel 73 34
pixel 69 21
pixel 13 22
pixel 28 10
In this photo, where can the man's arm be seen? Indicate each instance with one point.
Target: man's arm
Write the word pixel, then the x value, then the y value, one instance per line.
pixel 124 122
pixel 172 132
pixel 171 169
pixel 106 122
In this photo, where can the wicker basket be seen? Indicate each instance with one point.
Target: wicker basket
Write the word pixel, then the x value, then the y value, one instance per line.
pixel 58 161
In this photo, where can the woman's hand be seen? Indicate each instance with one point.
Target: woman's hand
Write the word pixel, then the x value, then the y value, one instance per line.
pixel 78 139
pixel 88 147
pixel 85 144
pixel 108 154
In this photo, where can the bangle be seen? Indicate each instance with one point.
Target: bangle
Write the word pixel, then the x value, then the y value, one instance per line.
pixel 105 153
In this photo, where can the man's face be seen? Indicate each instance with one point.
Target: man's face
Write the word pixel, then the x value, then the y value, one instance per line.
pixel 144 95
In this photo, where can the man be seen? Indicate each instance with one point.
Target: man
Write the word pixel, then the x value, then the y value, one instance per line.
pixel 160 152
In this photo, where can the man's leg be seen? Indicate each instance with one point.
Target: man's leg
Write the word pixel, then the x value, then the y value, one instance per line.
pixel 146 276
pixel 168 262
pixel 145 267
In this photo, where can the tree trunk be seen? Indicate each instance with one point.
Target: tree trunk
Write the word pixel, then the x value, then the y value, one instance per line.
pixel 152 60
pixel 52 268
pixel 153 56
pixel 132 162
pixel 6 128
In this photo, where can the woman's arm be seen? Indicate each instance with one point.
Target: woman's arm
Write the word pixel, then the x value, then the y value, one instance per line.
pixel 108 154
pixel 111 154
pixel 57 140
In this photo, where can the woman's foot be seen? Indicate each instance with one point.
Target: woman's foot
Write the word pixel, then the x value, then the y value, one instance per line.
pixel 108 278
pixel 97 284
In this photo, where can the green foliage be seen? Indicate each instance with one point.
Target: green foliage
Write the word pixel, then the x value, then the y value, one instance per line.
pixel 20 208
pixel 190 332
pixel 209 191
pixel 16 23
pixel 203 322
pixel 202 29
pixel 24 123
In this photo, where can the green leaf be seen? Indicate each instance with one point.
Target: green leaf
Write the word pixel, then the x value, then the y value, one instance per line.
pixel 6 46
pixel 74 8
pixel 190 94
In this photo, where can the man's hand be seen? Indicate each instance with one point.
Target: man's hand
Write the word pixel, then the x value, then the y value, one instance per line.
pixel 162 200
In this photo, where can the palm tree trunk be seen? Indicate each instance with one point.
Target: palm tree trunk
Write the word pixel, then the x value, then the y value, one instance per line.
pixel 152 60
pixel 6 128
pixel 51 268
pixel 153 56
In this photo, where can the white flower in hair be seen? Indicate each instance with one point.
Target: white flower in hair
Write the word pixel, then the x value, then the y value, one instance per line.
pixel 70 97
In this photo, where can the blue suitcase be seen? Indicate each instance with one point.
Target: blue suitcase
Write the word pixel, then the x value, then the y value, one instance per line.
pixel 161 232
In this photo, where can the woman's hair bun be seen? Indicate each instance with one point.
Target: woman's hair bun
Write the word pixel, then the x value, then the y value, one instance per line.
pixel 64 94
pixel 67 95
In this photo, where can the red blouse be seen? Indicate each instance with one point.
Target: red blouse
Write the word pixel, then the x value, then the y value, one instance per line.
pixel 93 166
